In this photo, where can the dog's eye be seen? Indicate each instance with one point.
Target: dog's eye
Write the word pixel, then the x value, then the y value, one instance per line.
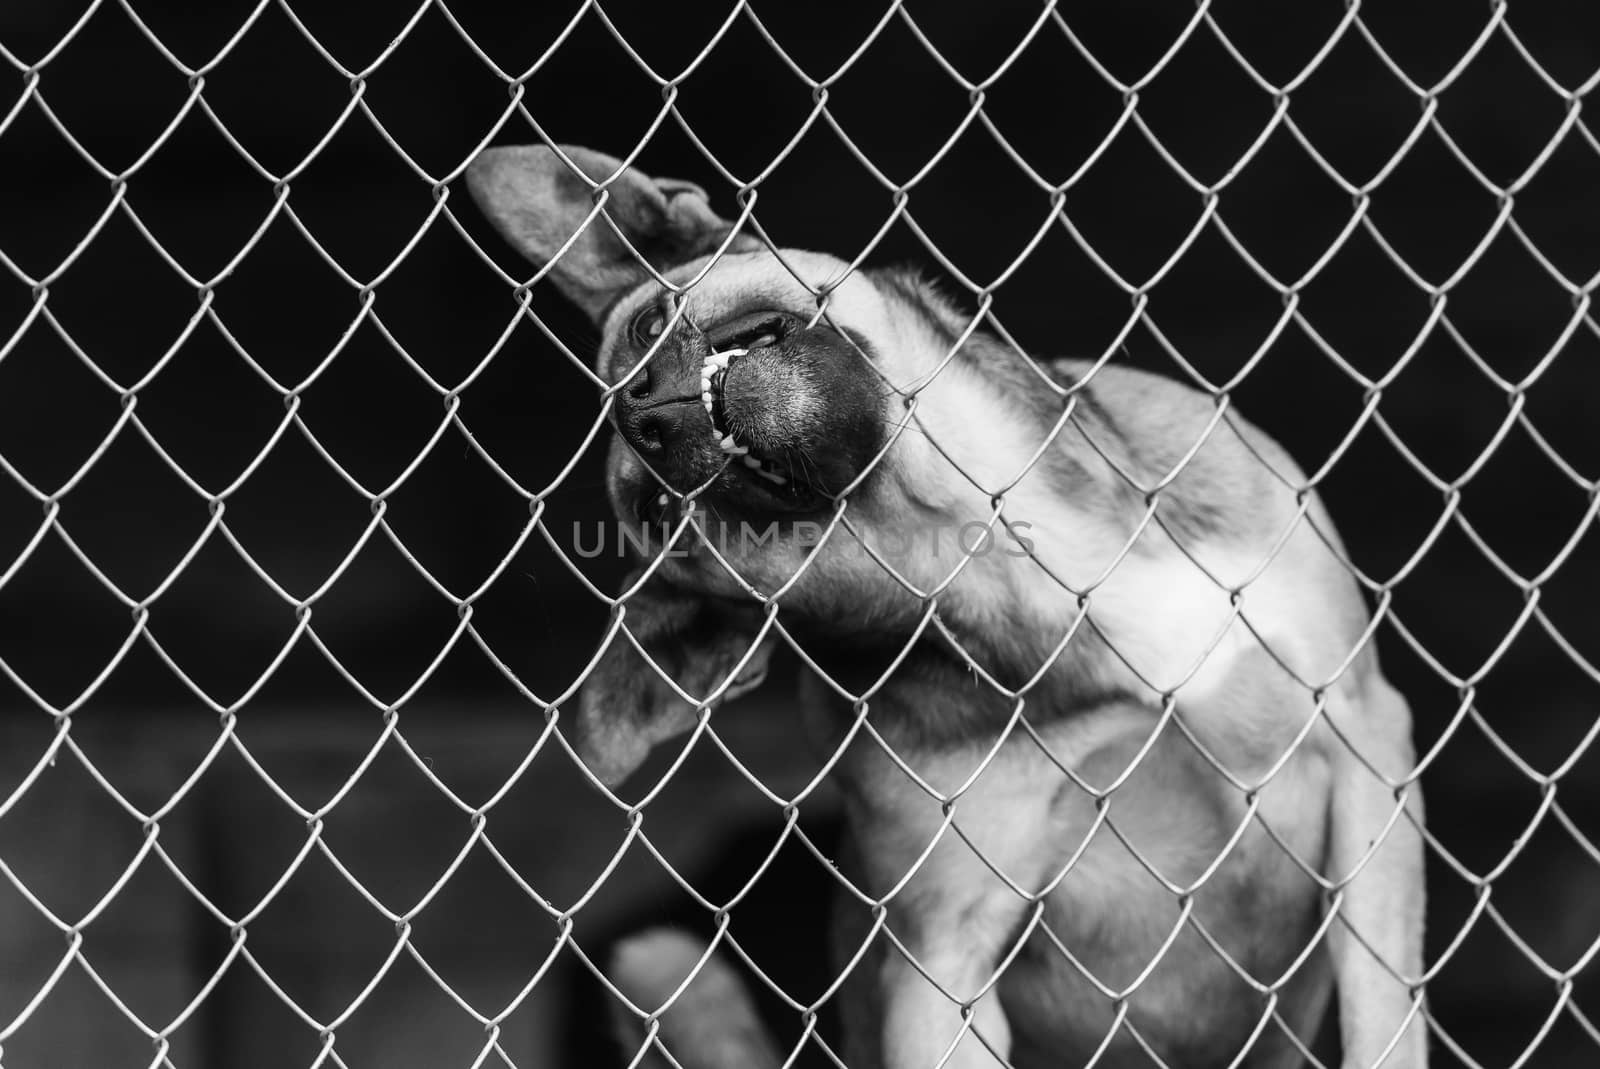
pixel 647 326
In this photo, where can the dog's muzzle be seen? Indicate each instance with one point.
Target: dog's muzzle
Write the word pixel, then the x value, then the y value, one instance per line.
pixel 760 411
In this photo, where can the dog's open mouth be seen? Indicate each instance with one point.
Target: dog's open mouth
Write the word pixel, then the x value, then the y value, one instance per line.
pixel 762 414
pixel 713 377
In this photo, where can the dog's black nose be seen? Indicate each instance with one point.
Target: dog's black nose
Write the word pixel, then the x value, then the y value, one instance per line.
pixel 658 427
pixel 660 412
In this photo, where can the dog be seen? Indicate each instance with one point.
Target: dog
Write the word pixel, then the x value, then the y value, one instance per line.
pixel 1123 782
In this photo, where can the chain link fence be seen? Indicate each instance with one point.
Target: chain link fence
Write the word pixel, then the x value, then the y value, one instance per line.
pixel 300 477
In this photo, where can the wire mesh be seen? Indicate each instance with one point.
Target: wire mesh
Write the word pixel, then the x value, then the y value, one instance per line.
pixel 301 481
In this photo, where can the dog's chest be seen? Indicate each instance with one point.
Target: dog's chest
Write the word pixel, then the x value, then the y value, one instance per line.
pixel 1084 827
pixel 975 821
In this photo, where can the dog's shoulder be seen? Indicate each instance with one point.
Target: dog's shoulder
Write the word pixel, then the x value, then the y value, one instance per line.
pixel 1219 475
pixel 1217 469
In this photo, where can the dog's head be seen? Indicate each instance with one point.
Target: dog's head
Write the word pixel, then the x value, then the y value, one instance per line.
pixel 753 391
pixel 736 391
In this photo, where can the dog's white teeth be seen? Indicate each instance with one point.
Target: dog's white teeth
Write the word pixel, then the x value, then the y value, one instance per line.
pixel 764 341
pixel 705 399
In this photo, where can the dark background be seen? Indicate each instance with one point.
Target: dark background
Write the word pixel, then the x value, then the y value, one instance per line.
pixel 155 310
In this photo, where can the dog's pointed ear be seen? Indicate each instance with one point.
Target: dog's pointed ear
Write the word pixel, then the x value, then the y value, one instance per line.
pixel 538 201
pixel 627 707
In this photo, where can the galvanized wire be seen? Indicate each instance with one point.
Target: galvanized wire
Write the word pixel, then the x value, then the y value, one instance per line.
pixel 517 122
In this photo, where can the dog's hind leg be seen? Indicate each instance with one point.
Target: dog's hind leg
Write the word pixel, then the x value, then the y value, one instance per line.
pixel 1376 863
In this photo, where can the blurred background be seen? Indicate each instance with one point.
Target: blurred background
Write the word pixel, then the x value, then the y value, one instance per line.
pixel 238 307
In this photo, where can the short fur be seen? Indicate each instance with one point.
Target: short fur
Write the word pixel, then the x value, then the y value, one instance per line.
pixel 1128 760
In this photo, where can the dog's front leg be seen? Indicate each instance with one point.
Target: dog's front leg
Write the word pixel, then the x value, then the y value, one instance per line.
pixel 955 918
pixel 1376 857
pixel 958 950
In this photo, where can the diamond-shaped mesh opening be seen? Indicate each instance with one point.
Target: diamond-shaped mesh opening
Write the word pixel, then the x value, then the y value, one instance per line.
pixel 379 648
